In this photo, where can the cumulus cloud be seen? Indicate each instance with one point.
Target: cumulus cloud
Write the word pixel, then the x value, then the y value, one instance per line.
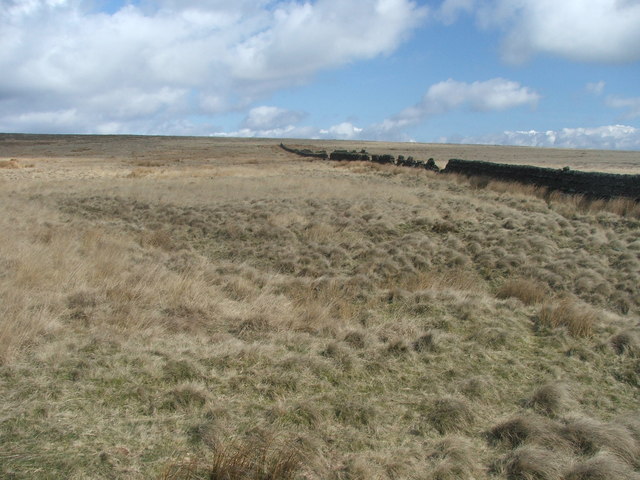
pixel 595 31
pixel 631 105
pixel 170 59
pixel 490 95
pixel 273 122
pixel 610 137
pixel 344 131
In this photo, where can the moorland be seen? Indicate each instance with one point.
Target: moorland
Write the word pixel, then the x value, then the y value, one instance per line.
pixel 186 308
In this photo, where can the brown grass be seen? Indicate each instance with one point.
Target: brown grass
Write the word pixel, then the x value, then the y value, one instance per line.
pixel 453 458
pixel 626 207
pixel 579 320
pixel 550 399
pixel 10 164
pixel 450 414
pixel 533 463
pixel 601 467
pixel 525 429
pixel 626 342
pixel 589 437
pixel 158 326
pixel 527 291
pixel 253 459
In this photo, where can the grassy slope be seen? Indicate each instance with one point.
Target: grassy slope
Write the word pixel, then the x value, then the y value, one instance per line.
pixel 369 322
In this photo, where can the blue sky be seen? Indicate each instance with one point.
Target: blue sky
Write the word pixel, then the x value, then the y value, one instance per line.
pixel 521 72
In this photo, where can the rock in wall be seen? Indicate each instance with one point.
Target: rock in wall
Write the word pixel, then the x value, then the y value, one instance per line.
pixel 345 155
pixel 591 184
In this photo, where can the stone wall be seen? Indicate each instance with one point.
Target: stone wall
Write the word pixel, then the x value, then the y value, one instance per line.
pixel 591 184
pixel 363 156
pixel 305 152
pixel 344 155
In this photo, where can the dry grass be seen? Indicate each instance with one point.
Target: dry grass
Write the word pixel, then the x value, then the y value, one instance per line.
pixel 589 437
pixel 622 206
pixel 626 342
pixel 579 320
pixel 550 399
pixel 527 291
pixel 450 414
pixel 533 463
pixel 601 467
pixel 253 459
pixel 523 429
pixel 244 314
pixel 13 163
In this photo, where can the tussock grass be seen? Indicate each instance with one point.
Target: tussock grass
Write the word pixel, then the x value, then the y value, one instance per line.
pixel 522 429
pixel 450 414
pixel 601 467
pixel 589 437
pixel 453 458
pixel 550 399
pixel 527 291
pixel 252 459
pixel 532 463
pixel 622 206
pixel 626 342
pixel 579 320
pixel 374 319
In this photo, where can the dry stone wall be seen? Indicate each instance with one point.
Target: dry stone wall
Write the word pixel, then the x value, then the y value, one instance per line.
pixel 591 184
pixel 363 156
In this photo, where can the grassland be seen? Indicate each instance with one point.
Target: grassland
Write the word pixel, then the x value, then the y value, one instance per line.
pixel 218 308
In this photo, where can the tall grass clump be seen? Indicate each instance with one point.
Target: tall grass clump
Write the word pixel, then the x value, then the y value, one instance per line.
pixel 532 463
pixel 579 320
pixel 550 399
pixel 450 414
pixel 252 459
pixel 527 291
pixel 601 467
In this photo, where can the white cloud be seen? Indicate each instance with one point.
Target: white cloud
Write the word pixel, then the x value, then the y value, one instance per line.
pixel 597 88
pixel 490 95
pixel 605 31
pixel 188 57
pixel 632 105
pixel 610 137
pixel 344 131
pixel 267 118
pixel 450 9
pixel 274 122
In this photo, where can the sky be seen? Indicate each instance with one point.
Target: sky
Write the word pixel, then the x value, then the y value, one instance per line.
pixel 517 72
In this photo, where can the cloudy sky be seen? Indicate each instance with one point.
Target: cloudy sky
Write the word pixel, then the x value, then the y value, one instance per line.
pixel 522 72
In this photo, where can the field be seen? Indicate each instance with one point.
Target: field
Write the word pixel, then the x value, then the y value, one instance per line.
pixel 187 308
